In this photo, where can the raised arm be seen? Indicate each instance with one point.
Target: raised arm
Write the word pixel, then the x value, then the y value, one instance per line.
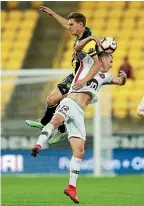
pixel 120 80
pixel 60 19
pixel 78 47
pixel 95 67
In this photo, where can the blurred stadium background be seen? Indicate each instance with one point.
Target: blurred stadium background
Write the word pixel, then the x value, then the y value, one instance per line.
pixel 34 40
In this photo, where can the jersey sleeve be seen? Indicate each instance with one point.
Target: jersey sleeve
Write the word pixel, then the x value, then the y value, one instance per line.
pixel 90 48
pixel 108 79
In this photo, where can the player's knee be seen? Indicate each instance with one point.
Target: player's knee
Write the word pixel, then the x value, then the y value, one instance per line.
pixel 57 120
pixel 79 153
pixel 52 100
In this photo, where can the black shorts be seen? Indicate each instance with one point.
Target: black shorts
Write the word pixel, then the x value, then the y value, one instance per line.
pixel 65 85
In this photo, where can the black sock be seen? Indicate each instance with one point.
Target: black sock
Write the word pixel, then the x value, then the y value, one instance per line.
pixel 61 128
pixel 48 115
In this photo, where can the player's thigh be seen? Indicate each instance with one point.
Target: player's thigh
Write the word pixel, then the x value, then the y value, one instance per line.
pixel 54 98
pixel 76 127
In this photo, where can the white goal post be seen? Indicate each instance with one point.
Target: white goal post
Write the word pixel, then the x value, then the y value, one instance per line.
pixel 102 124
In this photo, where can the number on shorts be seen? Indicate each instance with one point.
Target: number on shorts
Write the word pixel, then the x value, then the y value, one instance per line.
pixel 64 109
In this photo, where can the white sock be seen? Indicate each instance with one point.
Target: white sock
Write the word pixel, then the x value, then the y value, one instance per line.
pixel 45 134
pixel 74 170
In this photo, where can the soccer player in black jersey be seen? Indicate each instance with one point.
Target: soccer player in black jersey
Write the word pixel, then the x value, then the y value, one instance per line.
pixel 76 25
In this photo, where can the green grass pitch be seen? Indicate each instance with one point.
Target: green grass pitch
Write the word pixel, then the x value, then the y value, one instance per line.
pixel 48 191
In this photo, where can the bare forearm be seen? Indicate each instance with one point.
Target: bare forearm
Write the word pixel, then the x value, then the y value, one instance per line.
pixel 94 69
pixel 78 47
pixel 61 20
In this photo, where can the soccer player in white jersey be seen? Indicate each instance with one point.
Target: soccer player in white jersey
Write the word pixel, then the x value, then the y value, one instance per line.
pixel 71 110
pixel 140 109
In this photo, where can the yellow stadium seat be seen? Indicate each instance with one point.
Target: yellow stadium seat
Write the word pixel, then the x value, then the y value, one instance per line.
pixel 37 4
pixel 141 24
pixel 141 13
pixel 3 16
pixel 103 4
pixel 17 15
pixel 101 13
pixel 9 35
pixel 134 4
pixel 115 14
pixel 118 4
pixel 97 25
pixel 129 85
pixel 86 4
pixel 13 64
pixel 13 4
pixel 142 5
pixel 28 24
pixel 113 24
pixel 87 12
pixel 6 46
pixel 131 13
pixel 17 55
pixel 110 31
pixel 128 24
pixel 66 64
pixel 31 14
pixel 120 113
pixel 4 56
pixel 138 34
pixel 24 35
pixel 12 25
pixel 141 64
pixel 89 112
pixel 21 45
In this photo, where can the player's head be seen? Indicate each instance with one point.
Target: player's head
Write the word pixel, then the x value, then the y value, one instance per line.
pixel 106 61
pixel 77 22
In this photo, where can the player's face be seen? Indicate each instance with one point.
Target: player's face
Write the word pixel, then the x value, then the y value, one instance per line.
pixel 107 63
pixel 74 27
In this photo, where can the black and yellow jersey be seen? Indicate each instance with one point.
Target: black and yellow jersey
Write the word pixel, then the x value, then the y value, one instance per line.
pixel 89 49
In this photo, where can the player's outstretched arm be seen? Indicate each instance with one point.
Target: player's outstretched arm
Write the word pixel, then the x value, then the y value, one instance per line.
pixel 120 80
pixel 60 19
pixel 78 47
pixel 140 109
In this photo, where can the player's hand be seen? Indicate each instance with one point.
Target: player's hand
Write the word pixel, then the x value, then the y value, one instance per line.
pixel 79 84
pixel 46 10
pixel 122 74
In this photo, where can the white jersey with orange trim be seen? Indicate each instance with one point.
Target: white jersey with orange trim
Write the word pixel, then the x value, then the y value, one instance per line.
pixel 94 84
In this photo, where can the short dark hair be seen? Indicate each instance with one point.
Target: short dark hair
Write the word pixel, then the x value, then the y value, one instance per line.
pixel 103 54
pixel 78 17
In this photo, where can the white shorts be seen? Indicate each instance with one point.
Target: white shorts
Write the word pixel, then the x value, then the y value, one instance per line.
pixel 74 118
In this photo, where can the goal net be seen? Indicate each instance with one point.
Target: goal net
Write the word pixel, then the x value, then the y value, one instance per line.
pixel 24 94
